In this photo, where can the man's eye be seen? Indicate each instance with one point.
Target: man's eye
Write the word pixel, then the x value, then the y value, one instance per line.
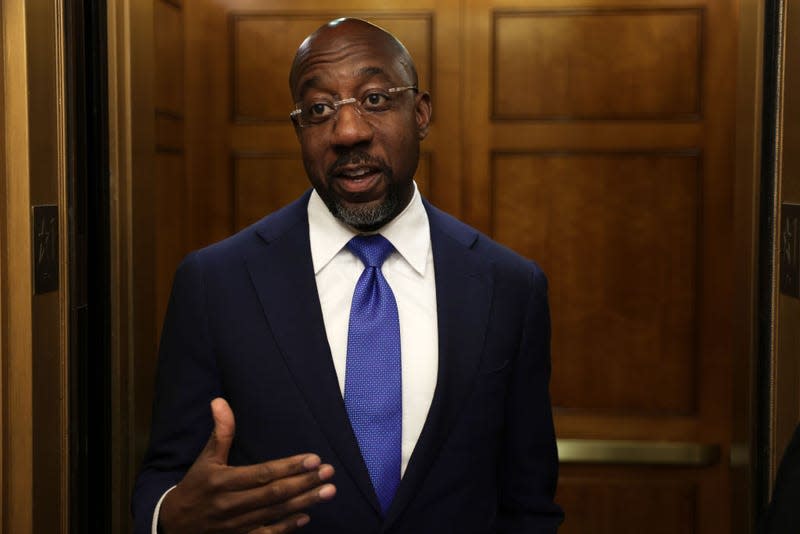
pixel 319 110
pixel 375 101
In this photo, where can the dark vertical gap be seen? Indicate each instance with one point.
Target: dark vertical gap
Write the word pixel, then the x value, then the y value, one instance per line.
pixel 766 279
pixel 89 254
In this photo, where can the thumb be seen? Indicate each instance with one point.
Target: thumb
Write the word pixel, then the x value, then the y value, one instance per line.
pixel 220 441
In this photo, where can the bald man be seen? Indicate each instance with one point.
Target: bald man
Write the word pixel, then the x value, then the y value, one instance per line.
pixel 358 361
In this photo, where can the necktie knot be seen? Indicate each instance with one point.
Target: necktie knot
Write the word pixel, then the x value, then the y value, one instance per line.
pixel 371 249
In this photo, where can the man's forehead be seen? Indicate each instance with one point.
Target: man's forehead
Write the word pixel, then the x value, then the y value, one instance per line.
pixel 350 47
pixel 329 76
pixel 341 31
pixel 345 50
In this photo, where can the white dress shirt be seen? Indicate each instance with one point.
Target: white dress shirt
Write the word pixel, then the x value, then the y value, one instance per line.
pixel 409 272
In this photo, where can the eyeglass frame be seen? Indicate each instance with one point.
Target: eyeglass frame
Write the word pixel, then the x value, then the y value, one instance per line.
pixel 297 111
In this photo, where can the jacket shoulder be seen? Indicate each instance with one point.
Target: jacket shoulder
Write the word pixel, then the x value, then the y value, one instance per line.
pixel 506 260
pixel 269 228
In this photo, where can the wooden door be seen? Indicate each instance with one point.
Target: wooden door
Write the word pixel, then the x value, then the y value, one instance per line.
pixel 601 134
pixel 593 136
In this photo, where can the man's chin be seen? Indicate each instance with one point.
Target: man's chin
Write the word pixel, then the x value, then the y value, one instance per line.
pixel 366 216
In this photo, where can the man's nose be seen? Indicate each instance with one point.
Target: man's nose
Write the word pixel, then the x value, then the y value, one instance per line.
pixel 350 127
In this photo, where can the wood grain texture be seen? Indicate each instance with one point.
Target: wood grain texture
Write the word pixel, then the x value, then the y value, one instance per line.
pixel 170 243
pixel 34 344
pixel 628 501
pixel 170 187
pixel 618 234
pixel 169 132
pixel 264 183
pixel 169 44
pixel 611 163
pixel 16 285
pixel 597 64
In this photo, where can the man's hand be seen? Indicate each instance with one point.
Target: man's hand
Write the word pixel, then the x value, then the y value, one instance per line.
pixel 266 498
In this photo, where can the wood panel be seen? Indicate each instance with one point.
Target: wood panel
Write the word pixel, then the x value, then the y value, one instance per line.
pixel 16 286
pixel 620 501
pixel 169 198
pixel 35 398
pixel 601 132
pixel 169 132
pixel 169 43
pixel 572 60
pixel 264 183
pixel 132 133
pixel 620 231
pixel 170 187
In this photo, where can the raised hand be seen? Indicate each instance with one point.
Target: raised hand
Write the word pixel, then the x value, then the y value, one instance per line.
pixel 266 498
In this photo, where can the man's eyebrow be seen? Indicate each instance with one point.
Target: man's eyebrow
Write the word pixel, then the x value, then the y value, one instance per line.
pixel 364 72
pixel 370 72
pixel 307 84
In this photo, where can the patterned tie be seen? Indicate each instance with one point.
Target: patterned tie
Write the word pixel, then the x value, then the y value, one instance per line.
pixel 372 393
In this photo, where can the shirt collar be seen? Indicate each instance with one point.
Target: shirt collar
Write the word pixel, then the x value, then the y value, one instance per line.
pixel 409 233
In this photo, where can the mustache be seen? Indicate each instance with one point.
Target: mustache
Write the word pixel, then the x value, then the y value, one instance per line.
pixel 358 157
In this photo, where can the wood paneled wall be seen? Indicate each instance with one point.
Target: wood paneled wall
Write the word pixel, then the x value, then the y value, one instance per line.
pixel 747 184
pixel 33 331
pixel 602 136
pixel 15 281
pixel 170 194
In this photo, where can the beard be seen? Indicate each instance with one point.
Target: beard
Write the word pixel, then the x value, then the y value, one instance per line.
pixel 370 216
pixel 366 218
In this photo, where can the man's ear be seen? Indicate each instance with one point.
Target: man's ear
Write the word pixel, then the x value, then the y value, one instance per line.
pixel 423 114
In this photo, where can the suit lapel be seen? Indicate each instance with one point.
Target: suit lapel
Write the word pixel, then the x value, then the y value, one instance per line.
pixel 463 295
pixel 283 276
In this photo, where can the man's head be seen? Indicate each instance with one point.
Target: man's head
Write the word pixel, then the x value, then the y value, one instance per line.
pixel 361 120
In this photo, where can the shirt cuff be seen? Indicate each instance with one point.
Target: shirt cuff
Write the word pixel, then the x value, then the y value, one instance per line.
pixel 154 529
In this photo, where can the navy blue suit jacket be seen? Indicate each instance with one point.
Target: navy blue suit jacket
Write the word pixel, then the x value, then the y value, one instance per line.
pixel 244 322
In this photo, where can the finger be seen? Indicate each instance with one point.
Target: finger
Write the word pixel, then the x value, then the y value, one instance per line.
pixel 278 491
pixel 278 513
pixel 290 524
pixel 258 475
pixel 219 444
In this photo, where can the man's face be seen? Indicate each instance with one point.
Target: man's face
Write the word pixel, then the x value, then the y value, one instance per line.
pixel 361 163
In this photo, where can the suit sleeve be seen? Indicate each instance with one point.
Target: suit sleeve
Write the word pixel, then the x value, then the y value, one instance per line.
pixel 529 464
pixel 186 382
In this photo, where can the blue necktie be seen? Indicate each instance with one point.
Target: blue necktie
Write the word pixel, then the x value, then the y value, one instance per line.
pixel 372 392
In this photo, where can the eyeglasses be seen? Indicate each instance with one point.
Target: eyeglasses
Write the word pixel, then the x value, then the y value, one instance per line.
pixel 375 101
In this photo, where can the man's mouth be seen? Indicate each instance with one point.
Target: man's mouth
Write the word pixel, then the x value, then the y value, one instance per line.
pixel 357 179
pixel 356 173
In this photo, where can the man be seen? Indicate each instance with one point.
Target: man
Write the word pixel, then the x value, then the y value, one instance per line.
pixel 412 360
